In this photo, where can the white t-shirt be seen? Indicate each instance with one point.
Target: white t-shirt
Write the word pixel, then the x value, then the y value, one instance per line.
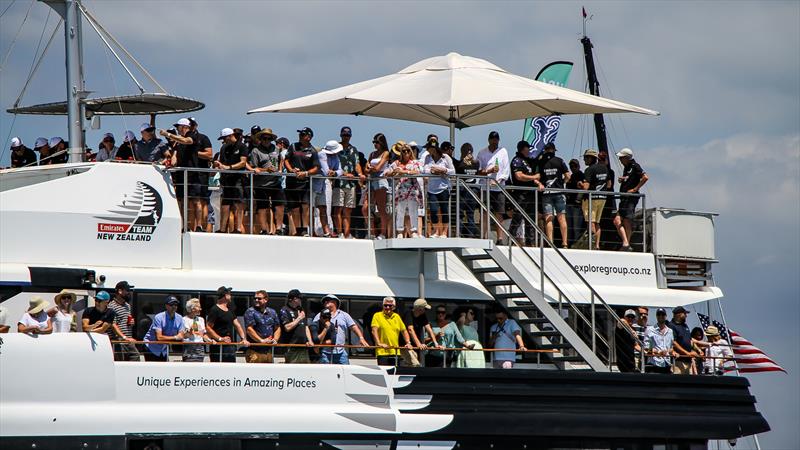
pixel 488 159
pixel 40 320
pixel 191 334
pixel 62 323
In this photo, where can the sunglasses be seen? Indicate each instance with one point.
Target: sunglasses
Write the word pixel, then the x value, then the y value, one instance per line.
pixel 441 312
pixel 388 306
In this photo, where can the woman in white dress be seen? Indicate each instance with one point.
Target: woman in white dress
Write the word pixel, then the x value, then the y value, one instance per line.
pixel 35 320
pixel 62 315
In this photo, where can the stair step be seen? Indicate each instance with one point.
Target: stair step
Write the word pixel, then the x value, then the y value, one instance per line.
pixel 475 257
pixel 512 295
pixel 554 346
pixel 567 359
pixel 522 308
pixel 535 320
pixel 544 333
pixel 494 283
pixel 494 269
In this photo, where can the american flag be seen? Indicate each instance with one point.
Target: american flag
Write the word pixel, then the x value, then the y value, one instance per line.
pixel 748 357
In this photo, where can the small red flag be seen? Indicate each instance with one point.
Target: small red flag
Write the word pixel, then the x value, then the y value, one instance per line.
pixel 584 12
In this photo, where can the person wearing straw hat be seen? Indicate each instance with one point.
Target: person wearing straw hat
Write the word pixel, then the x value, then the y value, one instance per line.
pixel 266 161
pixel 407 191
pixel 718 354
pixel 35 320
pixel 62 315
pixel 596 179
pixel 21 155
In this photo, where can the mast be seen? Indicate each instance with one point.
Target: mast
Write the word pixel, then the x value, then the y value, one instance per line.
pixel 594 88
pixel 70 12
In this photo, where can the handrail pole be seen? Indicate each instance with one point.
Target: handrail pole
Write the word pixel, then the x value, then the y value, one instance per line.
pixel 310 229
pixel 185 200
pixel 458 208
pixel 594 330
pixel 369 209
pixel 250 174
pixel 392 229
pixel 644 224
pixel 591 228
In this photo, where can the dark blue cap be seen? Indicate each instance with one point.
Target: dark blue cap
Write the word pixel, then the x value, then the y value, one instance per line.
pixel 171 300
pixel 346 131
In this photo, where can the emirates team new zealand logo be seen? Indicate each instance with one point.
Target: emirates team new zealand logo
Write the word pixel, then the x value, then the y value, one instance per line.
pixel 135 217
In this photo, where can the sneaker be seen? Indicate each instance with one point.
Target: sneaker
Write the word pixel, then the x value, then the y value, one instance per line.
pixel 414 235
pixel 350 236
pixel 263 232
pixel 342 236
pixel 435 235
pixel 626 248
pixel 399 236
pixel 380 237
pixel 198 230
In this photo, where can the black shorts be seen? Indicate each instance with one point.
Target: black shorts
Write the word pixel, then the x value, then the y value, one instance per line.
pixel 627 207
pixel 296 195
pixel 269 197
pixel 197 185
pixel 497 202
pixel 232 191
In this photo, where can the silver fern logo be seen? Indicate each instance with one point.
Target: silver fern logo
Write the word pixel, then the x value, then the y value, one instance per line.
pixel 134 218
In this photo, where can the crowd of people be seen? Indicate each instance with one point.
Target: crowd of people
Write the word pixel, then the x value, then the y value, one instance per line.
pixel 409 339
pixel 669 346
pixel 396 190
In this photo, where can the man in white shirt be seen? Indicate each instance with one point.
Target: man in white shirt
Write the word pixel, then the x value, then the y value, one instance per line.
pixel 493 161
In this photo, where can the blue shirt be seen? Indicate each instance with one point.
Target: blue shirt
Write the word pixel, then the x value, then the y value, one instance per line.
pixel 505 339
pixel 660 340
pixel 326 162
pixel 168 326
pixel 340 323
pixel 264 324
pixel 150 151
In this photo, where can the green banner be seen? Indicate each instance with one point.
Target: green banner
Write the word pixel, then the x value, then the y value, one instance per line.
pixel 541 130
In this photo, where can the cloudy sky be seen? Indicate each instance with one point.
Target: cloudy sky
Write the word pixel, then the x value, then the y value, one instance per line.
pixel 725 76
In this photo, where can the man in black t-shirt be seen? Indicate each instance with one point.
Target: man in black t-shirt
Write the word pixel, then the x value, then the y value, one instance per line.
pixel 188 149
pixel 295 328
pixel 553 174
pixel 526 180
pixel 98 318
pixel 303 161
pixel 468 165
pixel 575 223
pixel 205 152
pixel 682 343
pixel 266 161
pixel 21 155
pixel 596 181
pixel 632 179
pixel 232 156
pixel 418 325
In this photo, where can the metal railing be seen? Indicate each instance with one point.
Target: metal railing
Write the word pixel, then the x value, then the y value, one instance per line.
pixel 595 297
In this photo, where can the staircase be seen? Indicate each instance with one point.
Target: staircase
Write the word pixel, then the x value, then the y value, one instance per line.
pixel 551 319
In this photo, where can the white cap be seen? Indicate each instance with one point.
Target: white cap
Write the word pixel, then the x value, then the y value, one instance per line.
pixel 145 126
pixel 40 142
pixel 55 141
pixel 129 136
pixel 182 123
pixel 413 144
pixel 332 147
pixel 624 152
pixel 630 312
pixel 225 132
pixel 109 135
pixel 16 142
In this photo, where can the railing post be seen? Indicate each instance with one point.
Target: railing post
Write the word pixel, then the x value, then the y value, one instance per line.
pixel 458 207
pixel 644 224
pixel 369 209
pixel 390 198
pixel 594 330
pixel 250 175
pixel 185 200
pixel 310 229
pixel 591 228
pixel 536 196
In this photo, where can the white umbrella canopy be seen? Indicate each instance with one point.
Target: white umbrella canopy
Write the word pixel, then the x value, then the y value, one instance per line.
pixel 453 90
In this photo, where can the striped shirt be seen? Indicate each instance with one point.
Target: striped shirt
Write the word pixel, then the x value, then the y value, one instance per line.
pixel 122 317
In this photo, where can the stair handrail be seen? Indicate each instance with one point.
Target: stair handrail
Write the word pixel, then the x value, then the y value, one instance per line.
pixel 544 239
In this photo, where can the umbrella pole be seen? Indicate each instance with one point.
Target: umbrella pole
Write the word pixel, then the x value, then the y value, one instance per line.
pixel 452 121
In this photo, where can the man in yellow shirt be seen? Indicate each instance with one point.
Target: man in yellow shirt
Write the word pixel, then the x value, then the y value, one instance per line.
pixel 386 329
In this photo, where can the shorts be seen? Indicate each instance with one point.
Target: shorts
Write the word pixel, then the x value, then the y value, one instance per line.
pixel 254 356
pixel 197 185
pixel 497 202
pixel 344 196
pixel 296 195
pixel 232 193
pixel 269 197
pixel 627 207
pixel 126 352
pixel 682 366
pixel 597 209
pixel 296 355
pixel 320 200
pixel 439 202
pixel 503 364
pixel 380 183
pixel 554 203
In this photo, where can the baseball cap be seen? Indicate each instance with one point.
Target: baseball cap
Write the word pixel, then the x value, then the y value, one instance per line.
pixel 146 127
pixel 446 145
pixel 55 141
pixel 523 144
pixel 222 290
pixel 432 143
pixel 413 144
pixel 225 132
pixel 193 121
pixel 630 312
pixel 332 298
pixel 590 152
pixel 306 130
pixel 129 136
pixel 40 142
pixel 123 285
pixel 494 135
pixel 295 293
pixel 679 309
pixel 102 296
pixel 171 300
pixel 549 146
pixel 421 303
pixel 254 130
pixel 661 311
pixel 16 142
pixel 345 131
pixel 182 123
pixel 108 136
pixel 283 141
pixel 625 152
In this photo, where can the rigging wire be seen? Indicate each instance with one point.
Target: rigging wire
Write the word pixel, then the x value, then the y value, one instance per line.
pixel 116 90
pixel 38 46
pixel 14 41
pixel 7 8
pixel 8 138
pixel 38 63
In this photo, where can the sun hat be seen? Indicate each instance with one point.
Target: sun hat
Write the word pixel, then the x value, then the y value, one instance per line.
pixel 37 304
pixel 65 293
pixel 397 147
pixel 591 152
pixel 421 303
pixel 712 331
pixel 625 152
pixel 332 147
